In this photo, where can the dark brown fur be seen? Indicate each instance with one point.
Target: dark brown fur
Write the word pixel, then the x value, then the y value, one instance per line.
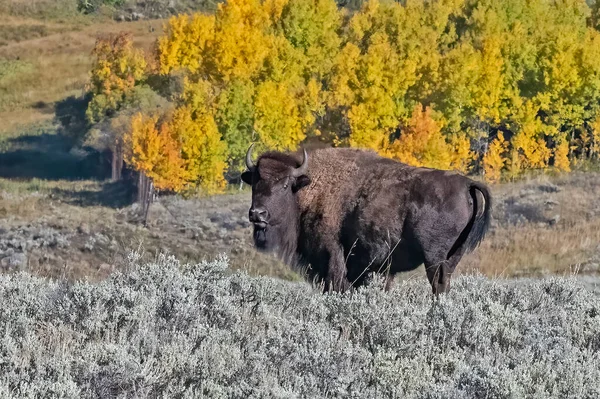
pixel 355 212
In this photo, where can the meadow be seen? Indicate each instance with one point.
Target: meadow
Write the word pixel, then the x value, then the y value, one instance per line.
pixel 94 304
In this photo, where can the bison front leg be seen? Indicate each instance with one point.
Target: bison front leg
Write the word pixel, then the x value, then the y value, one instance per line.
pixel 337 276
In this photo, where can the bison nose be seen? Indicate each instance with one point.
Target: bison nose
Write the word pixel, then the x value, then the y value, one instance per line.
pixel 258 215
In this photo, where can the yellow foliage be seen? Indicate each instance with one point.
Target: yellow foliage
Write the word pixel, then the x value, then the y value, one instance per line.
pixel 460 151
pixel 374 113
pixel 185 42
pixel 561 155
pixel 186 149
pixel 277 117
pixel 116 70
pixel 595 150
pixel 156 152
pixel 274 8
pixel 529 141
pixel 344 77
pixel 489 88
pixel 287 70
pixel 495 159
pixel 202 150
pixel 514 164
pixel 241 41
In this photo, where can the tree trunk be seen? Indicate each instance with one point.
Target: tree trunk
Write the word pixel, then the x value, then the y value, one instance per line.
pixel 150 193
pixel 117 162
pixel 141 190
pixel 145 195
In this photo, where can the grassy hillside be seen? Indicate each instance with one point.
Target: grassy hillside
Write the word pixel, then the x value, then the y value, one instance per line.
pixel 48 66
pixel 166 330
pixel 84 229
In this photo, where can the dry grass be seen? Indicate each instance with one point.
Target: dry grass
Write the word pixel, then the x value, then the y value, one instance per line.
pixel 527 237
pixel 524 240
pixel 40 9
pixel 50 68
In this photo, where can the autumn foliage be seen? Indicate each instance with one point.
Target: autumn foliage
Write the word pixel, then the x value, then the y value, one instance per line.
pixel 421 143
pixel 118 68
pixel 480 86
pixel 152 148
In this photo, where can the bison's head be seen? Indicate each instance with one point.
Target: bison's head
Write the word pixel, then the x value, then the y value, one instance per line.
pixel 275 180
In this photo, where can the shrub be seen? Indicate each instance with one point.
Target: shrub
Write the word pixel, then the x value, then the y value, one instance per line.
pixel 171 330
pixel 89 6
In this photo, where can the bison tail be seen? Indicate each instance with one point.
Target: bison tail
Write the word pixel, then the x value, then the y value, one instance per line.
pixel 481 220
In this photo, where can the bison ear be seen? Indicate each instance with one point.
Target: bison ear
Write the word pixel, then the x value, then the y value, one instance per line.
pixel 301 181
pixel 247 177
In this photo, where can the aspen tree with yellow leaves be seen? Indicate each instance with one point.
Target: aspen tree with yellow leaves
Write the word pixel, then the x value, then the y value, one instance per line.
pixel 118 70
pixel 154 150
pixel 421 143
pixel 118 67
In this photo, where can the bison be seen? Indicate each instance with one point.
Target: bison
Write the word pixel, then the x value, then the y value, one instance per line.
pixel 344 213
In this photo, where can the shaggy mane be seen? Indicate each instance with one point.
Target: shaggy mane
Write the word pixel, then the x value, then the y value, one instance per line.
pixel 276 164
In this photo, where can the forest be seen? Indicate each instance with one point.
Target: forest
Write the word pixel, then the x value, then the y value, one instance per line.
pixel 497 89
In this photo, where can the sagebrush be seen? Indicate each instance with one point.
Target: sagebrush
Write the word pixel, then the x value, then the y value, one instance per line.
pixel 170 330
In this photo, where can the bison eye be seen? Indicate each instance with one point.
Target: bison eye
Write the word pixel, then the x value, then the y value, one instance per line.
pixel 286 183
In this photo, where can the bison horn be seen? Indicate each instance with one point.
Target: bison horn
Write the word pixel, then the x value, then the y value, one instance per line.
pixel 249 163
pixel 302 169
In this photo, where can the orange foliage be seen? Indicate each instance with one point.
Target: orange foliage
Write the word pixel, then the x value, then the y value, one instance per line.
pixel 422 143
pixel 153 150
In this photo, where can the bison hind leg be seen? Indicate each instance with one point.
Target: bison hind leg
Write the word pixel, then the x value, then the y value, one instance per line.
pixel 439 270
pixel 439 277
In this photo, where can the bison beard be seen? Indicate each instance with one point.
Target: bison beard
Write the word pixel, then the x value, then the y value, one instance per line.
pixel 260 238
pixel 345 213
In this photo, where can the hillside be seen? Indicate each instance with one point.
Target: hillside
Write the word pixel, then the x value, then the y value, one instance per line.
pixel 166 330
pixel 84 229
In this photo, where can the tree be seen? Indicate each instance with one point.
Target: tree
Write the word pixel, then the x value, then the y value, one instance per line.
pixel 153 148
pixel 421 143
pixel 561 155
pixel 235 119
pixel 153 151
pixel 117 69
pixel 495 159
pixel 202 148
pixel 278 123
pixel 595 127
pixel 529 141
pixel 185 43
pixel 428 82
pixel 312 27
pixel 241 41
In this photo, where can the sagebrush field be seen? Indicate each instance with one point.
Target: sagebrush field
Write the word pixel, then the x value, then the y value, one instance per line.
pixel 168 330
